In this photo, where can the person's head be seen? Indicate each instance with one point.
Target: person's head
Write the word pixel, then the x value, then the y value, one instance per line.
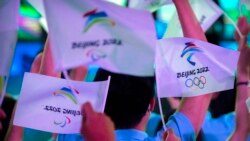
pixel 223 102
pixel 129 98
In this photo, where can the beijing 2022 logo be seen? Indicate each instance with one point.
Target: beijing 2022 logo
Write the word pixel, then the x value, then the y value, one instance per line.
pixel 198 81
pixel 94 17
pixel 190 50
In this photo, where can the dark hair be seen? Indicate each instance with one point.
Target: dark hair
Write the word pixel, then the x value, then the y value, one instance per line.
pixel 128 97
pixel 224 103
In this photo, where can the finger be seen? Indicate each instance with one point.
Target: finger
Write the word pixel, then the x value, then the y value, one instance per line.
pixel 165 135
pixel 87 110
pixel 240 23
pixel 243 45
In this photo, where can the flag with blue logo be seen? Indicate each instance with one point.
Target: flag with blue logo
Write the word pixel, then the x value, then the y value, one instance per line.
pixel 9 10
pixel 206 11
pixel 118 39
pixel 188 67
pixel 54 104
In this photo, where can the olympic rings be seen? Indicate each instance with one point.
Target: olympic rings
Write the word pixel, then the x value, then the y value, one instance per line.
pixel 199 82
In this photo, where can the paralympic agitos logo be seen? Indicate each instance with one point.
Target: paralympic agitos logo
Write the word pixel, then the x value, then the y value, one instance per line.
pixel 94 17
pixel 67 93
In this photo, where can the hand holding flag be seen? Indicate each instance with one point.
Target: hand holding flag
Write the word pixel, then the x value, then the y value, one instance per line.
pixel 52 104
pixel 104 127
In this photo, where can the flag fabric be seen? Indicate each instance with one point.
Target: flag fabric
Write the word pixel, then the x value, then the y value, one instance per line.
pixel 150 5
pixel 206 11
pixel 248 104
pixel 118 39
pixel 9 10
pixel 188 67
pixel 54 106
pixel 7 47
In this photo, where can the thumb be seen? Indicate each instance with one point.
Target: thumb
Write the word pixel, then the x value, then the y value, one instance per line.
pixel 87 110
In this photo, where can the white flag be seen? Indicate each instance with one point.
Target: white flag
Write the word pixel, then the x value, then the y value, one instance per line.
pixel 9 11
pixel 189 67
pixel 7 46
pixel 118 39
pixel 150 5
pixel 48 103
pixel 206 11
pixel 248 104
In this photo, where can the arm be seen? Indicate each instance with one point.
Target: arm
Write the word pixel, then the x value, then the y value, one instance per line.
pixel 35 67
pixel 242 116
pixel 79 73
pixel 47 63
pixel 194 108
pixel 190 25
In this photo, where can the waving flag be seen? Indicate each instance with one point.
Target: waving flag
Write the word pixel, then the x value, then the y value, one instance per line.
pixel 151 5
pixel 206 11
pixel 188 67
pixel 7 46
pixel 101 33
pixel 8 27
pixel 248 104
pixel 53 105
pixel 9 14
